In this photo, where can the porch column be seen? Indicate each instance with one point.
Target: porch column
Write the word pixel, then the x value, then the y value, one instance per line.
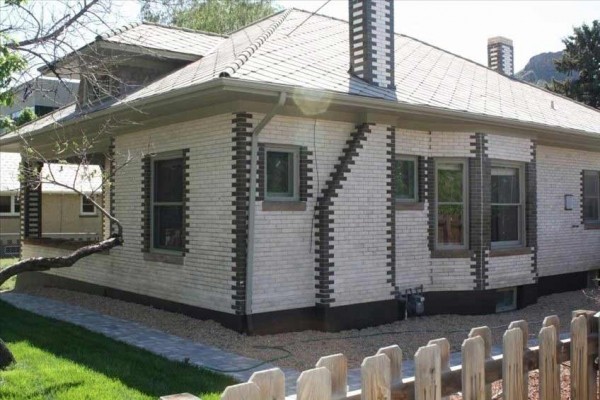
pixel 31 200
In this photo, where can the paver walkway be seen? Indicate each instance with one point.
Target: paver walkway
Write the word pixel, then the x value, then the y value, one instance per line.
pixel 176 348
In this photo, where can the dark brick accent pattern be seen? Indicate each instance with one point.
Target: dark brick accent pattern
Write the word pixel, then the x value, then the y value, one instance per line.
pixel 305 166
pixel 429 166
pixel 581 192
pixel 241 138
pixel 391 209
pixel 112 170
pixel 146 199
pixel 422 178
pixel 480 210
pixel 323 230
pixel 531 208
pixel 31 200
pixel 186 201
pixel 260 170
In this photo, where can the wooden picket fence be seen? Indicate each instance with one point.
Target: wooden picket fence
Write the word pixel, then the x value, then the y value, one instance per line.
pixel 381 374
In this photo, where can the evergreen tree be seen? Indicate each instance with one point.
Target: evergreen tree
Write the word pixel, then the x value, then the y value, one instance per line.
pixel 581 58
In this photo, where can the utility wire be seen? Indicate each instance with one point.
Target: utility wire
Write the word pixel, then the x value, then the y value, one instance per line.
pixel 307 18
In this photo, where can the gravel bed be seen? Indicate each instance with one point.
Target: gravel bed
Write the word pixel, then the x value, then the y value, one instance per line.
pixel 306 347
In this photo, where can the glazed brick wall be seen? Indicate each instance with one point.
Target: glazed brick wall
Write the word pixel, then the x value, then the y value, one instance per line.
pixel 515 270
pixel 510 271
pixel 284 253
pixel 415 265
pixel 360 225
pixel 205 279
pixel 563 243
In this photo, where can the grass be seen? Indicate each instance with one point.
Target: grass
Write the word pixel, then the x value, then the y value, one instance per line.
pixel 9 284
pixel 60 361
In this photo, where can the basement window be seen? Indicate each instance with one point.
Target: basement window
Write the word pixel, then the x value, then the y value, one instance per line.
pixel 506 300
pixel 405 179
pixel 591 197
pixel 282 173
pixel 9 205
pixel 167 202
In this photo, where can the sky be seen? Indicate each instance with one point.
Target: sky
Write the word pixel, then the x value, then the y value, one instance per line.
pixel 461 27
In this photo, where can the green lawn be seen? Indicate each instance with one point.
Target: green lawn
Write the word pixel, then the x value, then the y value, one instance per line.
pixel 59 361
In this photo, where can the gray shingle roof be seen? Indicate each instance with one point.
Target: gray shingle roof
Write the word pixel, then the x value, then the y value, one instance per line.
pixel 315 56
pixel 160 37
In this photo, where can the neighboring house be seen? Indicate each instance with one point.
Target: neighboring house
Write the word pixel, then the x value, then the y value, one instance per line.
pixel 65 214
pixel 42 95
pixel 377 173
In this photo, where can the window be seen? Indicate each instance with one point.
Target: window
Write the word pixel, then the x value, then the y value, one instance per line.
pixel 87 207
pixel 591 196
pixel 405 178
pixel 507 300
pixel 507 205
pixel 282 179
pixel 451 178
pixel 9 205
pixel 167 203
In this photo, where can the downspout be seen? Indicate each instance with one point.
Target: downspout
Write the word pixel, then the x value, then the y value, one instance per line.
pixel 252 206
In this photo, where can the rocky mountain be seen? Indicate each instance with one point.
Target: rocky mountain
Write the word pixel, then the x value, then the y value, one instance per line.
pixel 540 69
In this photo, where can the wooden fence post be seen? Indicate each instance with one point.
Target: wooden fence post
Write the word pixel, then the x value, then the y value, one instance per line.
pixel 242 391
pixel 592 326
pixel 337 365
pixel 314 384
pixel 473 369
pixel 484 333
pixel 375 372
pixel 271 383
pixel 524 327
pixel 428 379
pixel 579 359
pixel 444 346
pixel 394 353
pixel 549 366
pixel 553 320
pixel 512 365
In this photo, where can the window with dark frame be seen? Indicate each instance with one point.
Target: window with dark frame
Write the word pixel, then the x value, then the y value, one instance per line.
pixel 507 203
pixel 405 178
pixel 281 173
pixel 9 205
pixel 87 207
pixel 451 222
pixel 591 197
pixel 167 203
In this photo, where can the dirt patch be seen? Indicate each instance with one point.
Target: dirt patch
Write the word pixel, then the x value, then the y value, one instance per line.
pixel 306 347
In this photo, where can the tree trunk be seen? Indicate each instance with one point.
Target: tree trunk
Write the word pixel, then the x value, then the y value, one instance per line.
pixel 6 357
pixel 38 264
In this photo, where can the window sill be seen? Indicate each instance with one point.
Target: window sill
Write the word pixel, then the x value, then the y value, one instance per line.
pixel 271 205
pixel 408 206
pixel 164 258
pixel 459 253
pixel 9 215
pixel 510 251
pixel 591 225
pixel 88 215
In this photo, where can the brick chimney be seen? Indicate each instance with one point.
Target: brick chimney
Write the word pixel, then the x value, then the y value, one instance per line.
pixel 501 55
pixel 372 41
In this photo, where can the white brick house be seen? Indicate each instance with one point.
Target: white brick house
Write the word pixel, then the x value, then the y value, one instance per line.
pixel 479 189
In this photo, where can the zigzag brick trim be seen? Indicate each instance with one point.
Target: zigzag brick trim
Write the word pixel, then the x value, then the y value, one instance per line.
pixel 323 230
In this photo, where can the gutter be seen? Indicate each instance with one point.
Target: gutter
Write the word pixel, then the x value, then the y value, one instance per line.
pixel 252 205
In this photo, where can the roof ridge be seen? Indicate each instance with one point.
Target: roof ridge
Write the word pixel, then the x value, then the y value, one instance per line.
pixel 179 28
pixel 114 32
pixel 250 50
